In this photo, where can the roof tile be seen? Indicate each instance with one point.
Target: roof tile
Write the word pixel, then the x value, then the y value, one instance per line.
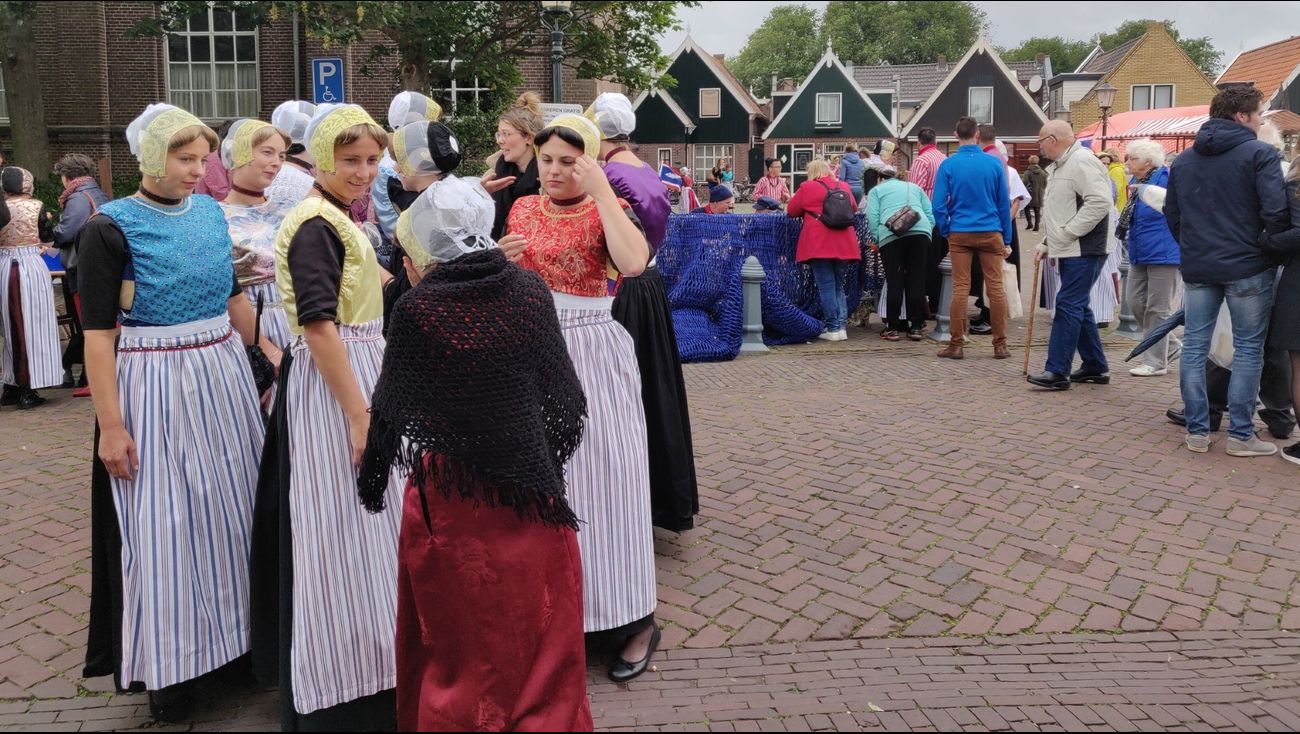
pixel 1266 66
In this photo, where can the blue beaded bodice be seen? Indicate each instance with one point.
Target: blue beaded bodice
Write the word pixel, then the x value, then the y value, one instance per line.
pixel 179 259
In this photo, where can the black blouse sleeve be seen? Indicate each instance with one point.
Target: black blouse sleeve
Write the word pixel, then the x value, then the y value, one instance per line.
pixel 316 268
pixel 102 259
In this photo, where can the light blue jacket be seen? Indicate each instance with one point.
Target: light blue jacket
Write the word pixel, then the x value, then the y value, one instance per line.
pixel 385 212
pixel 887 198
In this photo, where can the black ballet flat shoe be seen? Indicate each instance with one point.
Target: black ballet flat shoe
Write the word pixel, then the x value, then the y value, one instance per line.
pixel 622 671
pixel 29 399
pixel 171 705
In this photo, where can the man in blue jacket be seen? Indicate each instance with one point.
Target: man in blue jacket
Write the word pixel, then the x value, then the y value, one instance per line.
pixel 1224 193
pixel 972 209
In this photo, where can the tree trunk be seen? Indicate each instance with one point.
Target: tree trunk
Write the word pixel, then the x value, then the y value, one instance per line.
pixel 19 65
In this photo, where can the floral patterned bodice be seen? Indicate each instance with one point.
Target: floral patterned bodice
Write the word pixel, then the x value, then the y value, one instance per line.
pixel 566 247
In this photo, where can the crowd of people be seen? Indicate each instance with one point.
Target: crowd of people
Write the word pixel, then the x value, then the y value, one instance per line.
pixel 394 440
pixel 310 330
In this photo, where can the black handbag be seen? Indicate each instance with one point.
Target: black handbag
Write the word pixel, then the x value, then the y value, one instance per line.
pixel 263 370
pixel 904 219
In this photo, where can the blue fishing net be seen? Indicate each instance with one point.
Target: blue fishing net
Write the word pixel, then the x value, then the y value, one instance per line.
pixel 700 262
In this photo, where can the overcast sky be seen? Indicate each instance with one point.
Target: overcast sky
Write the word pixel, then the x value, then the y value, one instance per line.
pixel 722 27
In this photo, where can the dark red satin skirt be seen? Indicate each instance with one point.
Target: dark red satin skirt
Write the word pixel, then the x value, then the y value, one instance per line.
pixel 489 621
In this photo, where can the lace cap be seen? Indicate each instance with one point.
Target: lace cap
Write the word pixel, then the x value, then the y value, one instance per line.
pixel 292 118
pixel 150 135
pixel 237 148
pixel 453 217
pixel 409 107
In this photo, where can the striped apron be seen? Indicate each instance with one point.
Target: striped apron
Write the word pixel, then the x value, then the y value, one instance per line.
pixel 274 324
pixel 40 322
pixel 609 475
pixel 344 558
pixel 188 401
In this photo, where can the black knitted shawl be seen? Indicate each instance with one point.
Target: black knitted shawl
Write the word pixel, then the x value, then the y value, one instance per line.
pixel 477 397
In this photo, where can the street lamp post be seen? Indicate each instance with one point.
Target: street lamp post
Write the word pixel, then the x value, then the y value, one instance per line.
pixel 1105 100
pixel 555 13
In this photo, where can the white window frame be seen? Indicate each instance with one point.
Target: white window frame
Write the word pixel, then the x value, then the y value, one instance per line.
pixel 830 149
pixel 1151 96
pixel 186 97
pixel 970 93
pixel 716 91
pixel 714 152
pixel 453 93
pixel 664 156
pixel 817 110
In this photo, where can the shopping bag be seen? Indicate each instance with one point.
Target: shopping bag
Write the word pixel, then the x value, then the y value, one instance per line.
pixel 1221 341
pixel 1010 286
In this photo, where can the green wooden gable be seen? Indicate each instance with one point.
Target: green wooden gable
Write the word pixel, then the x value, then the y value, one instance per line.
pixel 656 123
pixel 693 74
pixel 859 119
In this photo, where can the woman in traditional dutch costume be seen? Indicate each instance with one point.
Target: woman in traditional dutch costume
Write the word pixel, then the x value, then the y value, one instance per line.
pixel 178 432
pixel 641 306
pixel 31 350
pixel 570 236
pixel 295 178
pixel 479 401
pixel 324 569
pixel 253 153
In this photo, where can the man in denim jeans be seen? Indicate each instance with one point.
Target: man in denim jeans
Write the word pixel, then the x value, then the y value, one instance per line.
pixel 1076 213
pixel 1223 194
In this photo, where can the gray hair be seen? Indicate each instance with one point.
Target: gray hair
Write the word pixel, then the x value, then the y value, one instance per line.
pixel 1146 150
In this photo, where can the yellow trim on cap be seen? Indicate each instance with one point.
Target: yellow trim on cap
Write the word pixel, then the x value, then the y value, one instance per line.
pixel 328 130
pixel 586 129
pixel 156 139
pixel 241 152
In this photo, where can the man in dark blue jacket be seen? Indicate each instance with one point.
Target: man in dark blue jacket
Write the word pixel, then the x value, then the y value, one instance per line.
pixel 1223 194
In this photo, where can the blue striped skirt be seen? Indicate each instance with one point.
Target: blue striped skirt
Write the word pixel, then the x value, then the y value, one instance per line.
pixel 40 322
pixel 344 558
pixel 189 403
pixel 609 475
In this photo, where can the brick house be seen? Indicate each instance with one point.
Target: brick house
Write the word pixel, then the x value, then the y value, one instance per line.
pixel 708 115
pixel 219 67
pixel 1150 72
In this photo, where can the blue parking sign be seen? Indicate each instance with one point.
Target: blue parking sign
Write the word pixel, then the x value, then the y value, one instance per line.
pixel 327 80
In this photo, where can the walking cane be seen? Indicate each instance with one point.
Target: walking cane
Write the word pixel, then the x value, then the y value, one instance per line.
pixel 1033 308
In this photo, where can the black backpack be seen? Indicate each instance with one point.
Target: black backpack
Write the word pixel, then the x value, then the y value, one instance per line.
pixel 837 208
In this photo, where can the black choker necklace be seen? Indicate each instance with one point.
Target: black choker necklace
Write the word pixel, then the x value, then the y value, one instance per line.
pixel 151 196
pixel 300 163
pixel 248 192
pixel 331 198
pixel 569 202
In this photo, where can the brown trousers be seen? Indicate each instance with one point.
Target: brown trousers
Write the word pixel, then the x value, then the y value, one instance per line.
pixel 989 247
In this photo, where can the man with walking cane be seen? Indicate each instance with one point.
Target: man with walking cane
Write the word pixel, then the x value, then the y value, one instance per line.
pixel 1076 213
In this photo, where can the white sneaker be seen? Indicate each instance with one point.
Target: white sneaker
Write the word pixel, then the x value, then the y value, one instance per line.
pixel 842 335
pixel 1199 444
pixel 1251 447
pixel 1147 370
pixel 829 336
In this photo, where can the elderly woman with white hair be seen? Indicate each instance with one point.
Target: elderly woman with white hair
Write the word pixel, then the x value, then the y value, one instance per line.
pixel 1154 283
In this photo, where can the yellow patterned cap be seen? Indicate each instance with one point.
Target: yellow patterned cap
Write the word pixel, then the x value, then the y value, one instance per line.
pixel 586 129
pixel 409 107
pixel 150 135
pixel 325 127
pixel 237 148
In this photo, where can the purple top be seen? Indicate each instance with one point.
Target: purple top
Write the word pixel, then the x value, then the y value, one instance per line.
pixel 641 188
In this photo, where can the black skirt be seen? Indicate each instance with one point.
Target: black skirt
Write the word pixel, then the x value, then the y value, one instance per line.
pixel 271 591
pixel 104 638
pixel 642 308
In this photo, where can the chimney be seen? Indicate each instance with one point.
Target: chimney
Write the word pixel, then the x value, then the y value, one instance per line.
pixel 849 65
pixel 720 57
pixel 943 62
pixel 1040 57
pixel 774 84
pixel 1155 25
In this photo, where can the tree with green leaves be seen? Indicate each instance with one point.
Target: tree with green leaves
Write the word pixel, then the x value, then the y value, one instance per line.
pixel 604 40
pixel 901 31
pixel 1066 55
pixel 18 64
pixel 786 43
pixel 1201 50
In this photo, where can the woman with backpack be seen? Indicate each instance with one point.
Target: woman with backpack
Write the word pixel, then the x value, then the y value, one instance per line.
pixel 828 242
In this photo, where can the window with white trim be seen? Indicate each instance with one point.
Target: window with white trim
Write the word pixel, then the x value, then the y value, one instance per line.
pixel 708 155
pixel 830 149
pixel 830 106
pixel 212 67
pixel 979 104
pixel 468 92
pixel 1152 97
pixel 4 106
pixel 664 156
pixel 711 102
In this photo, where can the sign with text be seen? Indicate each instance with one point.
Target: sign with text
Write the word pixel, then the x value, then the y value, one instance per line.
pixel 327 80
